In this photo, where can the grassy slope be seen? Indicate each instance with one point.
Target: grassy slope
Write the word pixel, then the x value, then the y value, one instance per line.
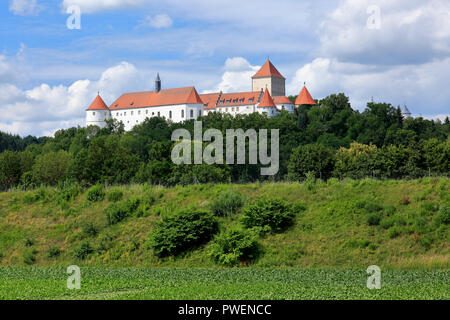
pixel 331 233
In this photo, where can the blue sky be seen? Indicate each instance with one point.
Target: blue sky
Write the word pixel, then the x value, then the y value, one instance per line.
pixel 50 74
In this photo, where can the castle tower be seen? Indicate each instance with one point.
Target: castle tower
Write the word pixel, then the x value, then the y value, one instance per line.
pixel 97 113
pixel 304 98
pixel 405 112
pixel 269 77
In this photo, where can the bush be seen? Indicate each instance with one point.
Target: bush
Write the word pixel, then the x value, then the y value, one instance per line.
pixel 234 246
pixel 373 219
pixel 28 242
pixel 183 231
pixel 115 213
pixel 443 216
pixel 90 229
pixel 273 213
pixel 114 195
pixel 96 193
pixel 394 232
pixel 29 256
pixel 405 201
pixel 67 192
pixel 227 203
pixel 83 251
pixel 53 252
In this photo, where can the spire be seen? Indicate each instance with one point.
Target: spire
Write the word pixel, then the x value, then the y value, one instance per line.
pixel 305 97
pixel 98 104
pixel 157 83
pixel 268 70
pixel 266 100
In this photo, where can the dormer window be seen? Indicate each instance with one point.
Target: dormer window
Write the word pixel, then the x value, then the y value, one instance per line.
pixel 251 100
pixel 235 100
pixel 228 100
pixel 93 113
pixel 242 100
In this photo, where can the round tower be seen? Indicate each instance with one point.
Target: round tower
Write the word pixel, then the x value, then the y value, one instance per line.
pixel 97 113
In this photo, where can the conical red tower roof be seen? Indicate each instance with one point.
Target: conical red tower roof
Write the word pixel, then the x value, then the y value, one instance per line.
pixel 268 70
pixel 98 104
pixel 305 98
pixel 266 100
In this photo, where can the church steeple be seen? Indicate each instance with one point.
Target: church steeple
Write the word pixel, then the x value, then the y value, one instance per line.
pixel 157 84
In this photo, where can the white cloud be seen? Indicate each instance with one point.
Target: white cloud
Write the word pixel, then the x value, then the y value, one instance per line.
pixel 159 21
pixel 419 86
pixel 44 109
pixel 411 31
pixel 24 7
pixel 92 6
pixel 237 76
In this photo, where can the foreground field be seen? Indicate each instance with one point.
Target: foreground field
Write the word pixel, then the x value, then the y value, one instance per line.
pixel 346 225
pixel 165 284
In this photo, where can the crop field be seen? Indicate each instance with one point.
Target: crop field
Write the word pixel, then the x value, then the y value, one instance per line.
pixel 244 283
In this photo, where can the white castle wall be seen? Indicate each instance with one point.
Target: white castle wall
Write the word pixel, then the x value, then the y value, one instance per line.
pixel 175 113
pixel 97 117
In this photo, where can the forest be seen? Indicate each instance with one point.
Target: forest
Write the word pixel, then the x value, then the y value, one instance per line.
pixel 323 141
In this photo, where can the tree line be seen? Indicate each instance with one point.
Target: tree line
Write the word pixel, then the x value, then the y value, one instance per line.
pixel 323 141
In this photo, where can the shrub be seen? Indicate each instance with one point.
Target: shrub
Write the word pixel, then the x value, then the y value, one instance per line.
pixel 234 246
pixel 274 213
pixel 183 231
pixel 28 242
pixel 443 216
pixel 96 193
pixel 67 192
pixel 228 202
pixel 53 252
pixel 83 251
pixel 114 195
pixel 373 219
pixel 393 232
pixel 387 223
pixel 116 212
pixel 29 256
pixel 90 229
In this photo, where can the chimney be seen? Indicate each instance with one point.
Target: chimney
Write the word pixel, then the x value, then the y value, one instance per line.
pixel 157 84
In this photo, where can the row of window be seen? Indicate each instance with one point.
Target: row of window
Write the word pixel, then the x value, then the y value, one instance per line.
pixel 118 114
pixel 223 101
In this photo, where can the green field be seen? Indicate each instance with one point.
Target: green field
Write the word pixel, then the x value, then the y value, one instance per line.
pixel 235 284
pixel 323 255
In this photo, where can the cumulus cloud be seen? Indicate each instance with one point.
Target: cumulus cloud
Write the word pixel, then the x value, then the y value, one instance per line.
pixel 419 86
pixel 44 109
pixel 236 77
pixel 24 7
pixel 411 31
pixel 159 21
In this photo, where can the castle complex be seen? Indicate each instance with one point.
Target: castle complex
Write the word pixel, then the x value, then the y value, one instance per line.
pixel 268 96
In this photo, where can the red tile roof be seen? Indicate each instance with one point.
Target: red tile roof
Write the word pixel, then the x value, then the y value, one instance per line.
pixel 268 70
pixel 239 99
pixel 152 99
pixel 98 104
pixel 281 100
pixel 210 100
pixel 304 98
pixel 266 101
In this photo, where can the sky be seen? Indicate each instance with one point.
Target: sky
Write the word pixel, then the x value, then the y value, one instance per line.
pixel 395 51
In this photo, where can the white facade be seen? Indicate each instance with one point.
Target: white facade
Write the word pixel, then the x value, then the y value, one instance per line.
pixel 175 113
pixel 97 117
pixel 289 107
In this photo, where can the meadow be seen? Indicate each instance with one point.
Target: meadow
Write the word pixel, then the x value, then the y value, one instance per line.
pixel 346 226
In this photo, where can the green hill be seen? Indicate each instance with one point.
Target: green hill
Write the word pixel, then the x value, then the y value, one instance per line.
pixel 346 225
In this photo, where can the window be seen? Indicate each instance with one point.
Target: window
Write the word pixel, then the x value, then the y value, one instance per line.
pixel 251 100
pixel 117 114
pixel 222 101
pixel 192 113
pixel 199 113
pixel 139 112
pixel 131 112
pixel 182 113
pixel 226 109
pixel 228 100
pixel 242 100
pixel 93 113
pixel 237 108
pixel 105 113
pixel 282 107
pixel 124 113
pixel 235 100
pixel 232 109
pixel 153 113
pixel 159 114
pixel 170 114
pixel 146 111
